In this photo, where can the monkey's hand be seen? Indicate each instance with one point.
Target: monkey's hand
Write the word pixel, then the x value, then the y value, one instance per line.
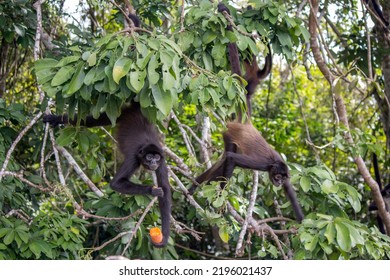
pixel 192 189
pixel 156 191
pixel 53 120
pixel 222 8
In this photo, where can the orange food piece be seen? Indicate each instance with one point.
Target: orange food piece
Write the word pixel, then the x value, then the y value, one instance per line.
pixel 156 235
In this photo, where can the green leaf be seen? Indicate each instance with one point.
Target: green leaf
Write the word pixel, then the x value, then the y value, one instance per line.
pixel 218 202
pixel 63 75
pixel 169 81
pixel 45 63
pixel 24 236
pixel 92 59
pixel 67 60
pixel 4 231
pixel 77 81
pixel 99 105
pixel 171 44
pixel 75 230
pixel 140 239
pixel 322 174
pixel 236 205
pixel 121 68
pixel 208 37
pixel 305 183
pixel 153 76
pixel 9 237
pixel 35 248
pixel 329 187
pixel 223 233
pixel 83 142
pixel 343 236
pixel 353 197
pixel 89 78
pixel 137 79
pixel 312 244
pixel 113 109
pixel 284 39
pixel 66 136
pixel 163 99
pixel 355 235
pixel 330 233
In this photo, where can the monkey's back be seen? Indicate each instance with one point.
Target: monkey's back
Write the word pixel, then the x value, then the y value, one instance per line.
pixel 135 131
pixel 249 141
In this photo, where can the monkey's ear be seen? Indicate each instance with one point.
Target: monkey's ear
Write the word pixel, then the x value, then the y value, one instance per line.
pixel 141 152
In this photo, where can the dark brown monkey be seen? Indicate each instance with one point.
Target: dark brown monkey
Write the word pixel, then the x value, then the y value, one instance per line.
pixel 139 142
pixel 253 74
pixel 244 145
pixel 246 148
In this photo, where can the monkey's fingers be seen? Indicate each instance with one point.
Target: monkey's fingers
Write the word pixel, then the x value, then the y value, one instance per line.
pixel 156 191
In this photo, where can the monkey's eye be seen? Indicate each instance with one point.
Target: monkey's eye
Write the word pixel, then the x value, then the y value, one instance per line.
pixel 149 157
pixel 157 157
pixel 278 177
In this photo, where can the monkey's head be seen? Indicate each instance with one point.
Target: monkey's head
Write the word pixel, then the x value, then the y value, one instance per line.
pixel 278 173
pixel 150 157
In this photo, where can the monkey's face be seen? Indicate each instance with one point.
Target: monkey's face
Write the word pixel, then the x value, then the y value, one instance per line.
pixel 278 179
pixel 151 161
pixel 278 175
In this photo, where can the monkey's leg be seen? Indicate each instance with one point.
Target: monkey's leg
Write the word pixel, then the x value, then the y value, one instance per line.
pixel 228 165
pixel 212 174
pixel 165 204
pixel 121 182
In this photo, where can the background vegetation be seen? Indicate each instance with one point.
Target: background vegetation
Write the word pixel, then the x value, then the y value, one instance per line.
pixel 324 107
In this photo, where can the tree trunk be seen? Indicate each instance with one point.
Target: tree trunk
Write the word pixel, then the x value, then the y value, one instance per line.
pixel 383 37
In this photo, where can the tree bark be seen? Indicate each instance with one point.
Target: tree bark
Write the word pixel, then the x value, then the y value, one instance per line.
pixel 383 38
pixel 342 114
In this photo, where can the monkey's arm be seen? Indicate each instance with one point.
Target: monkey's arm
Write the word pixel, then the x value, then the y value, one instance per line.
pixel 121 181
pixel 291 195
pixel 55 120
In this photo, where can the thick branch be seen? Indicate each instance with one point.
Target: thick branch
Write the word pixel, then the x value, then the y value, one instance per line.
pixel 342 113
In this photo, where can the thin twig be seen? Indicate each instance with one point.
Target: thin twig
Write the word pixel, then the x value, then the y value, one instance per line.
pixel 15 143
pixel 239 246
pixel 24 180
pixel 186 139
pixel 135 229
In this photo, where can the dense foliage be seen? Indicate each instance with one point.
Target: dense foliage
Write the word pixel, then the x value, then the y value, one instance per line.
pixel 177 67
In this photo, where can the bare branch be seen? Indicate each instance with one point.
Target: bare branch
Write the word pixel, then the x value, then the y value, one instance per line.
pixel 252 201
pixel 17 140
pixel 135 229
pixel 342 114
pixel 79 171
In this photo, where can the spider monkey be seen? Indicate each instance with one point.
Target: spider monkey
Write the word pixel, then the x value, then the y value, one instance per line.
pixel 385 194
pixel 246 148
pixel 253 74
pixel 139 142
pixel 377 10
